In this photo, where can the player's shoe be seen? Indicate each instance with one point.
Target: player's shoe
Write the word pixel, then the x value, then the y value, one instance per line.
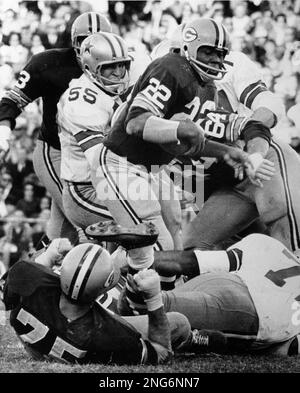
pixel 142 235
pixel 204 341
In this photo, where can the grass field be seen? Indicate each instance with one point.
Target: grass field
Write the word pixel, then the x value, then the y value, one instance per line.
pixel 14 359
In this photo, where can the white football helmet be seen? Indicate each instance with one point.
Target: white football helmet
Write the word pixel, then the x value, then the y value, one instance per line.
pixel 204 32
pixel 102 49
pixel 87 271
pixel 85 25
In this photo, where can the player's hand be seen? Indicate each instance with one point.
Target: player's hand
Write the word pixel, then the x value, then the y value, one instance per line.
pixel 191 136
pixel 237 158
pixel 147 282
pixel 259 169
pixel 57 249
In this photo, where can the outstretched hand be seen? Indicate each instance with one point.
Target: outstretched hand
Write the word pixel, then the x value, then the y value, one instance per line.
pixel 237 159
pixel 259 169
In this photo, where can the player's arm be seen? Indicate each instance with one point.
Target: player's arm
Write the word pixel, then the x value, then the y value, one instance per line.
pixel 54 253
pixel 147 281
pixel 27 88
pixel 252 92
pixel 154 96
pixel 191 263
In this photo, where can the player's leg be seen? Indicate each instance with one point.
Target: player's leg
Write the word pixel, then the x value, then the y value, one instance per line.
pixel 278 201
pixel 46 162
pixel 81 205
pixel 215 301
pixel 170 208
pixel 128 193
pixel 224 214
pixel 179 326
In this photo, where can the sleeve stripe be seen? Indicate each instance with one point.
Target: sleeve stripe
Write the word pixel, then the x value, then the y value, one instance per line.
pixel 235 257
pixel 143 102
pixel 81 135
pixel 20 99
pixel 91 143
pixel 249 100
pixel 247 97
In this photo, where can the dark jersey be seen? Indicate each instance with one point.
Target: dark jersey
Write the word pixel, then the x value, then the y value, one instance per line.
pixel 46 75
pixel 168 86
pixel 32 292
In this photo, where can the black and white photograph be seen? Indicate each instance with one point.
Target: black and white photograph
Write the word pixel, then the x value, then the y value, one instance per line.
pixel 149 191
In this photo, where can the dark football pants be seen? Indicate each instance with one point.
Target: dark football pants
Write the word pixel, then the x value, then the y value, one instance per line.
pixel 230 210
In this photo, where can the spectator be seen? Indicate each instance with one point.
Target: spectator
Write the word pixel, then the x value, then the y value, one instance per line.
pixel 3 209
pixel 240 20
pixel 39 229
pixel 8 196
pixel 37 45
pixel 17 239
pixel 15 54
pixel 19 166
pixel 7 76
pixel 29 204
pixel 10 24
pixel 26 36
pixel 279 29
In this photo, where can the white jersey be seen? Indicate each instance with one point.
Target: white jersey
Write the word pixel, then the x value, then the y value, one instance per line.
pixel 241 86
pixel 272 275
pixel 83 116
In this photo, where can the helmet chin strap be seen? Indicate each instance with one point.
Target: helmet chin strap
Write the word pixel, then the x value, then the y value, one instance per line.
pixel 199 68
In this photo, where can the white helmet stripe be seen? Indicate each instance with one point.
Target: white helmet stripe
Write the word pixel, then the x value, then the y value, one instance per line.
pixel 81 276
pixel 221 35
pixel 94 23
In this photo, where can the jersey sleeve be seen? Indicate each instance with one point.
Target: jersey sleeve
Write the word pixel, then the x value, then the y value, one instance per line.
pixel 116 340
pixel 28 87
pixel 23 279
pixel 247 80
pixel 157 91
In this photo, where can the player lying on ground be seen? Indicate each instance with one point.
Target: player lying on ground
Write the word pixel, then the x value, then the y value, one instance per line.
pixel 57 318
pixel 250 291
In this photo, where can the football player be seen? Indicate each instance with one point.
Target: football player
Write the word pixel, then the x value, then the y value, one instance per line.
pixel 241 90
pixel 84 114
pixel 256 304
pixel 249 292
pixel 47 75
pixel 149 133
pixel 56 316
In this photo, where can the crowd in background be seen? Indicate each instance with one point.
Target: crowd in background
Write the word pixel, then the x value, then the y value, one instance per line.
pixel 267 31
